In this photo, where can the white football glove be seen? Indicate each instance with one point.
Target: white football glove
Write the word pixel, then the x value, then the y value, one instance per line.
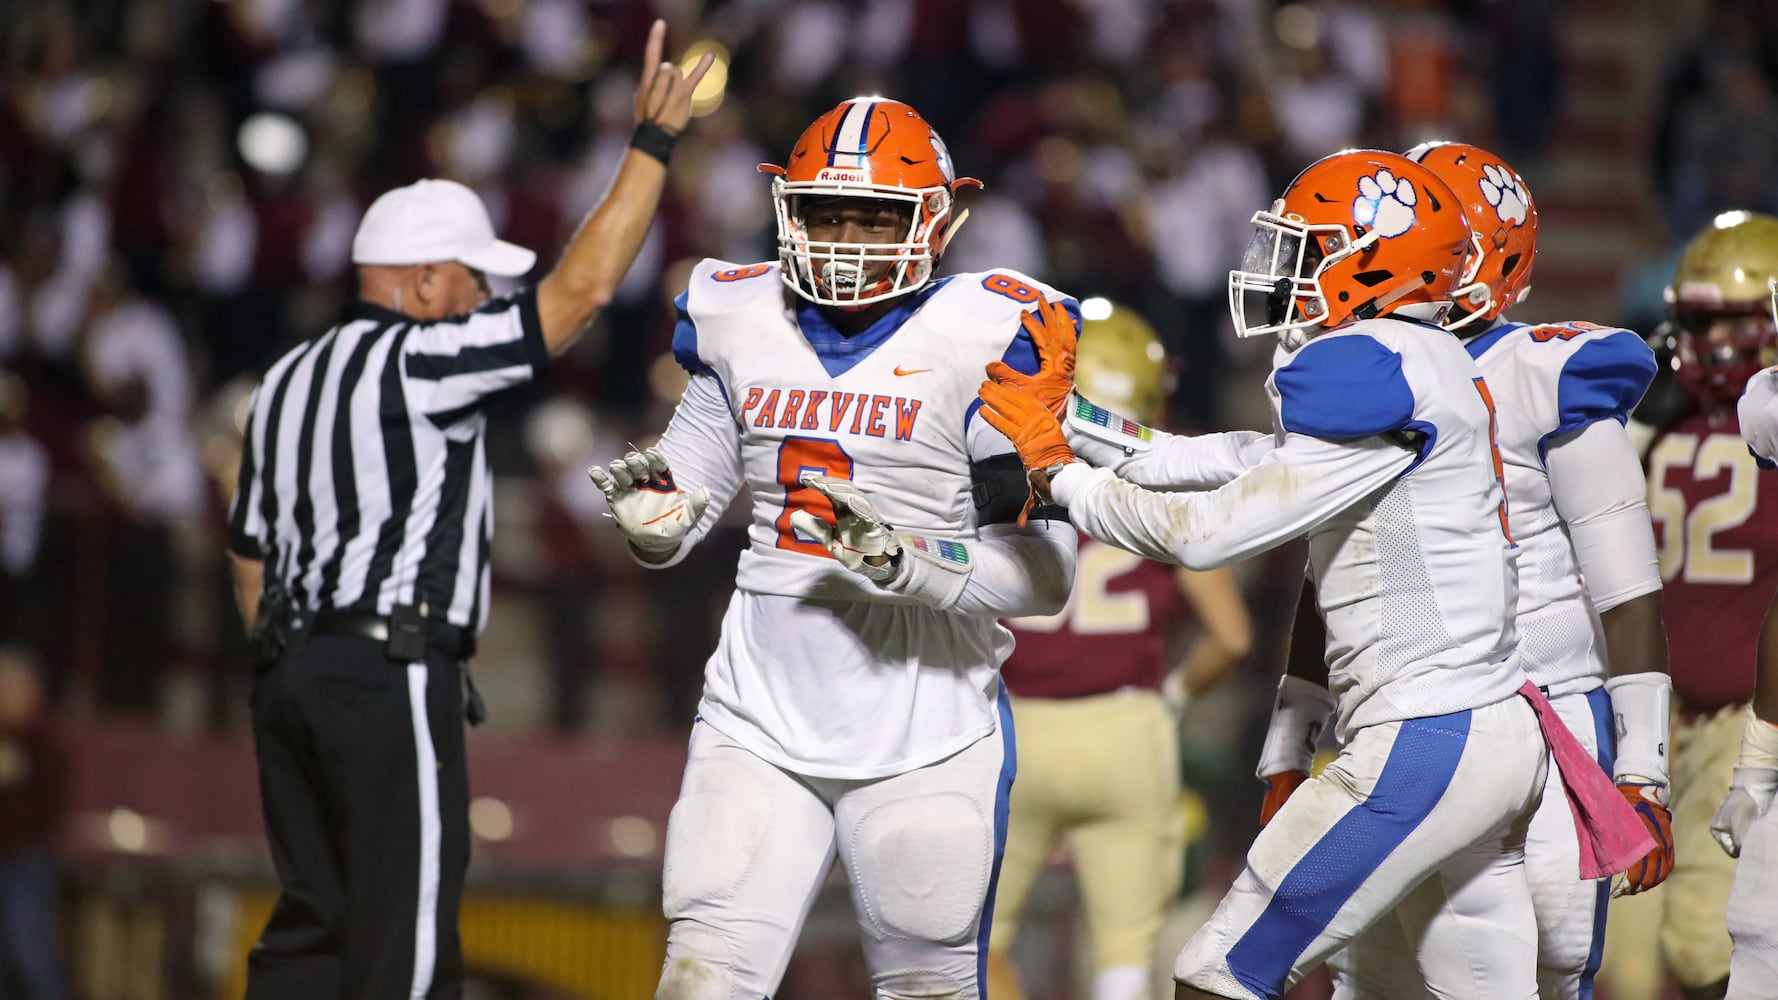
pixel 649 508
pixel 1750 795
pixel 860 532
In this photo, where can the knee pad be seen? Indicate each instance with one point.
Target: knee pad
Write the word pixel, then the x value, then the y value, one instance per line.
pixel 698 967
pixel 921 866
pixel 713 835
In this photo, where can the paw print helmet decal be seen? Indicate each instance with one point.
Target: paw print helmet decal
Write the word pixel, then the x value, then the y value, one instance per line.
pixel 1359 234
pixel 1503 219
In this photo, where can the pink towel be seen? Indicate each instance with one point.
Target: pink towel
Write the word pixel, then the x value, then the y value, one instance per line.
pixel 1612 837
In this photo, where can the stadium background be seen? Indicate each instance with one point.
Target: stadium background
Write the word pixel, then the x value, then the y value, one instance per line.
pixel 179 183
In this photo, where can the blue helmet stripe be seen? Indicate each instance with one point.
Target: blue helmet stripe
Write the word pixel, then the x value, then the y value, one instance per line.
pixel 839 131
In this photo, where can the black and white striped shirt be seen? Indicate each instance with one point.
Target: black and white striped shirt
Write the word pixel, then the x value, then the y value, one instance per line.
pixel 364 479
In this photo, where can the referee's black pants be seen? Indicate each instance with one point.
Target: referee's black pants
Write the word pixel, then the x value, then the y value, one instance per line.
pixel 365 791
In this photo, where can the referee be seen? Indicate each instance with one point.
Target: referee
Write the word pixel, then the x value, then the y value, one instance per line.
pixel 359 535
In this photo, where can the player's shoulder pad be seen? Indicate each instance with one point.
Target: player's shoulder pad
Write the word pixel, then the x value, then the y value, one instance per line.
pixel 1342 387
pixel 989 303
pixel 717 287
pixel 1606 371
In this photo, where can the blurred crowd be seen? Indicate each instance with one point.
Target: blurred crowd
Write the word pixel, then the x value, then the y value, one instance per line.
pixel 180 181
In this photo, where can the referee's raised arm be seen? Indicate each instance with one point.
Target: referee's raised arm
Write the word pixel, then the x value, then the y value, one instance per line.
pixel 608 239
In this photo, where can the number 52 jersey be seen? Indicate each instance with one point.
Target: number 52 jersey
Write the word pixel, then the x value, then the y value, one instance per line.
pixel 819 670
pixel 1715 512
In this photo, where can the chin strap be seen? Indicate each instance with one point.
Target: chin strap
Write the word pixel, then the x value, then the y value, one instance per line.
pixel 944 239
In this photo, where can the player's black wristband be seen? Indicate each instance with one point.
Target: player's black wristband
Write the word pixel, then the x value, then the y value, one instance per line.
pixel 653 140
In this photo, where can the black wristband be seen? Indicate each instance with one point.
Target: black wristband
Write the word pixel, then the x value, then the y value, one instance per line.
pixel 653 140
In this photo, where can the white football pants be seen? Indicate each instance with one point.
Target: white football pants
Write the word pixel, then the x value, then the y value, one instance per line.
pixel 749 845
pixel 1570 912
pixel 1422 821
pixel 1753 914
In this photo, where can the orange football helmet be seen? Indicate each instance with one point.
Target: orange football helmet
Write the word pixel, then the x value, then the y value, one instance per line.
pixel 867 147
pixel 1499 206
pixel 1359 234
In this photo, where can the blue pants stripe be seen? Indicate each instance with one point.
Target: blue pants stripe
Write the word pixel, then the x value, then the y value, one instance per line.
pixel 1009 766
pixel 1421 764
pixel 1605 733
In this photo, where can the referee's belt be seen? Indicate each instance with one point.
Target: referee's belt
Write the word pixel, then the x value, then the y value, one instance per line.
pixel 459 642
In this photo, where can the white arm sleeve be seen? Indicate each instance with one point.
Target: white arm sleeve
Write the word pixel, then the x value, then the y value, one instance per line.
pixel 1597 487
pixel 702 449
pixel 1295 487
pixel 1007 572
pixel 1175 461
pixel 1758 413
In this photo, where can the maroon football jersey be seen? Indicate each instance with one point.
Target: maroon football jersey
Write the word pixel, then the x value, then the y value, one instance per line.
pixel 1715 515
pixel 1113 633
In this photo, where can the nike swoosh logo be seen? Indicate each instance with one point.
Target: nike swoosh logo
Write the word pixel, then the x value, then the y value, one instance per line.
pixel 899 370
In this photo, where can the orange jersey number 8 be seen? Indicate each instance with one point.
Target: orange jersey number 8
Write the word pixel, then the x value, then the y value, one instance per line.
pixel 1012 288
pixel 796 456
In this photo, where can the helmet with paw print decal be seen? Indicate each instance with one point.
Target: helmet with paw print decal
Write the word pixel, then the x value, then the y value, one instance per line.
pixel 1504 229
pixel 1359 234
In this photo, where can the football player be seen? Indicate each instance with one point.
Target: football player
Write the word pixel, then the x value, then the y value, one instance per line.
pixel 1716 517
pixel 853 707
pixel 1745 824
pixel 1589 605
pixel 1098 747
pixel 1386 461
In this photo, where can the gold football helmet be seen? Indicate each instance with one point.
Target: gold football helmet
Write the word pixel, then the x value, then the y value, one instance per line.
pixel 1720 302
pixel 1120 363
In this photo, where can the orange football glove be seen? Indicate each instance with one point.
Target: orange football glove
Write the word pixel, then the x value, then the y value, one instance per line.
pixel 1055 335
pixel 1653 869
pixel 1278 790
pixel 1027 422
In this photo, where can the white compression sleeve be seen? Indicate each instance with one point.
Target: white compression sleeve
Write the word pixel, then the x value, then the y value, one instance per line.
pixel 1295 487
pixel 1758 414
pixel 1009 572
pixel 1175 461
pixel 702 449
pixel 1597 487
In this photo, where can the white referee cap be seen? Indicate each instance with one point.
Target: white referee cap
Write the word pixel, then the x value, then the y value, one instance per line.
pixel 433 220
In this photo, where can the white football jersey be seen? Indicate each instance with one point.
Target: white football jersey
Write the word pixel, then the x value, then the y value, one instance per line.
pixel 1549 381
pixel 1416 584
pixel 1385 463
pixel 819 670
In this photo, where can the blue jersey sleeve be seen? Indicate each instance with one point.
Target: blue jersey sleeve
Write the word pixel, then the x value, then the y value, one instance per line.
pixel 685 340
pixel 1603 379
pixel 1343 388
